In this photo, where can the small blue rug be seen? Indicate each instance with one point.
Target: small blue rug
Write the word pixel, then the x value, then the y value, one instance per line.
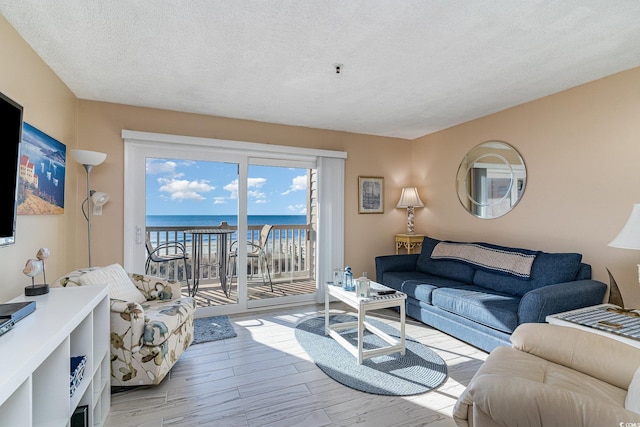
pixel 213 328
pixel 419 371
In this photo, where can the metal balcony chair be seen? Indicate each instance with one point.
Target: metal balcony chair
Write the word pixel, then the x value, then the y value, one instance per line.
pixel 174 251
pixel 254 251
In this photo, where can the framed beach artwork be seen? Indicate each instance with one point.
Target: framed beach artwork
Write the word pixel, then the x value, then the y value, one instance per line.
pixel 370 194
pixel 42 173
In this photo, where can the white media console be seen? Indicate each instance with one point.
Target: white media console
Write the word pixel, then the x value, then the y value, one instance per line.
pixel 35 359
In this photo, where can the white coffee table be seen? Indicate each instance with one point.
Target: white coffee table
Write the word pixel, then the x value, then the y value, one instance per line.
pixel 362 305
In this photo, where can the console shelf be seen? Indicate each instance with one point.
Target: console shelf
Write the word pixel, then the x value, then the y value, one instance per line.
pixel 35 359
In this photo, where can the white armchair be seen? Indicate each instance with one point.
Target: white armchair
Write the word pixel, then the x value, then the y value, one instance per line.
pixel 151 323
pixel 554 376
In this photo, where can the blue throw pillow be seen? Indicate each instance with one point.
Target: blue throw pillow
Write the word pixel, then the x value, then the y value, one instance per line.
pixel 547 269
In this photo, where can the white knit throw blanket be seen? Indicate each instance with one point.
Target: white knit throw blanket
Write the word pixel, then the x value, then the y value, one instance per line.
pixel 516 263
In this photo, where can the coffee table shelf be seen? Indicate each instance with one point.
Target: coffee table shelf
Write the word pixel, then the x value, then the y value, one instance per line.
pixel 362 305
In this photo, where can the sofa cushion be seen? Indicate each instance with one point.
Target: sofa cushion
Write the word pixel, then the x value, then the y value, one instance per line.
pixel 422 287
pixel 120 285
pixel 395 279
pixel 497 311
pixel 451 269
pixel 547 269
pixel 162 318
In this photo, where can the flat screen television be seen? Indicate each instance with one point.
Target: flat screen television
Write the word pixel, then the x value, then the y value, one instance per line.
pixel 10 138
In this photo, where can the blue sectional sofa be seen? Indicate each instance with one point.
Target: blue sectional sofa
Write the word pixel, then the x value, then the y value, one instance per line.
pixel 480 293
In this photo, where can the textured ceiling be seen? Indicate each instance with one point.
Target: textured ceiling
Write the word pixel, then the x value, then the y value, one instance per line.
pixel 409 67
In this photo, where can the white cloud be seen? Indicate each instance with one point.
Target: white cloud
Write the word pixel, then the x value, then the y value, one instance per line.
pixel 299 183
pixel 253 185
pixel 300 209
pixel 154 167
pixel 255 194
pixel 182 189
pixel 256 182
pixel 232 188
pixel 219 201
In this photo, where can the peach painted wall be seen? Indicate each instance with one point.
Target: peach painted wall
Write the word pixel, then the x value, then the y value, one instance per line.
pixel 100 126
pixel 581 148
pixel 51 107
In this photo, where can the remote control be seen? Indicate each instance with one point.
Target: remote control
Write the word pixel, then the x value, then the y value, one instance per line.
pixel 5 325
pixel 610 324
pixel 386 292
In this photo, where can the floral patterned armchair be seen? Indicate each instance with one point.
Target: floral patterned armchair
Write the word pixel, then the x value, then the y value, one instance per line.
pixel 151 323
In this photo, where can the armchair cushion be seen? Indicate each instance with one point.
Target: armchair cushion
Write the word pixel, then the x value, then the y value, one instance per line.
pixel 632 401
pixel 156 288
pixel 163 318
pixel 120 285
pixel 580 351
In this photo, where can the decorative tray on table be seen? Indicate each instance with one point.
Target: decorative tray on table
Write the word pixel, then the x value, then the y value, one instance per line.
pixel 606 319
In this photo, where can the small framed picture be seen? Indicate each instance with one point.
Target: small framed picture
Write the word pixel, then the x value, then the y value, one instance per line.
pixel 370 194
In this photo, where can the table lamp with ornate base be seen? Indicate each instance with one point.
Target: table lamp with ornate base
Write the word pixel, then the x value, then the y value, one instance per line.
pixel 410 199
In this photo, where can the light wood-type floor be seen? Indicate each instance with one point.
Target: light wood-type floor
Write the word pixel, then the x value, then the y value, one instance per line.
pixel 263 377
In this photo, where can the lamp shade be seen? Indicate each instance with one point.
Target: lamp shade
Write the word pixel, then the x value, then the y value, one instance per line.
pixel 86 157
pixel 629 236
pixel 98 198
pixel 410 198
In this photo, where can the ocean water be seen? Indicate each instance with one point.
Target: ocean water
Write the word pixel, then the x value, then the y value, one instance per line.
pixel 214 220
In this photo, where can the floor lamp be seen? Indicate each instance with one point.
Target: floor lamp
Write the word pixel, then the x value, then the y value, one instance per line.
pixel 88 159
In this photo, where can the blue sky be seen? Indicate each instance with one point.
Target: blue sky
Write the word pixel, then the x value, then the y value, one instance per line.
pixel 189 187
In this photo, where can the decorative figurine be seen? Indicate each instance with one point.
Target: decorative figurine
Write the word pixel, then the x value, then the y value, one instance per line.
pixel 32 268
pixel 43 254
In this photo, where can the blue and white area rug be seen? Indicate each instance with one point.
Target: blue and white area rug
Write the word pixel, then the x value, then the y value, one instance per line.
pixel 419 371
pixel 213 328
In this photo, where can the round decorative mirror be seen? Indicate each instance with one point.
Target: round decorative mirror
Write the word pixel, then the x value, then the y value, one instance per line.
pixel 491 179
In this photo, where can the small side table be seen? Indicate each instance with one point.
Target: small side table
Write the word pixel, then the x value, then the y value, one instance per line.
pixel 409 242
pixel 587 319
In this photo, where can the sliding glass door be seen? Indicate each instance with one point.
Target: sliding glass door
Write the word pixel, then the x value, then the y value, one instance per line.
pixel 247 219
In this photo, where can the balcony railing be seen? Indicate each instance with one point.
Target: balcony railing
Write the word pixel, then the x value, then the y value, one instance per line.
pixel 289 252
